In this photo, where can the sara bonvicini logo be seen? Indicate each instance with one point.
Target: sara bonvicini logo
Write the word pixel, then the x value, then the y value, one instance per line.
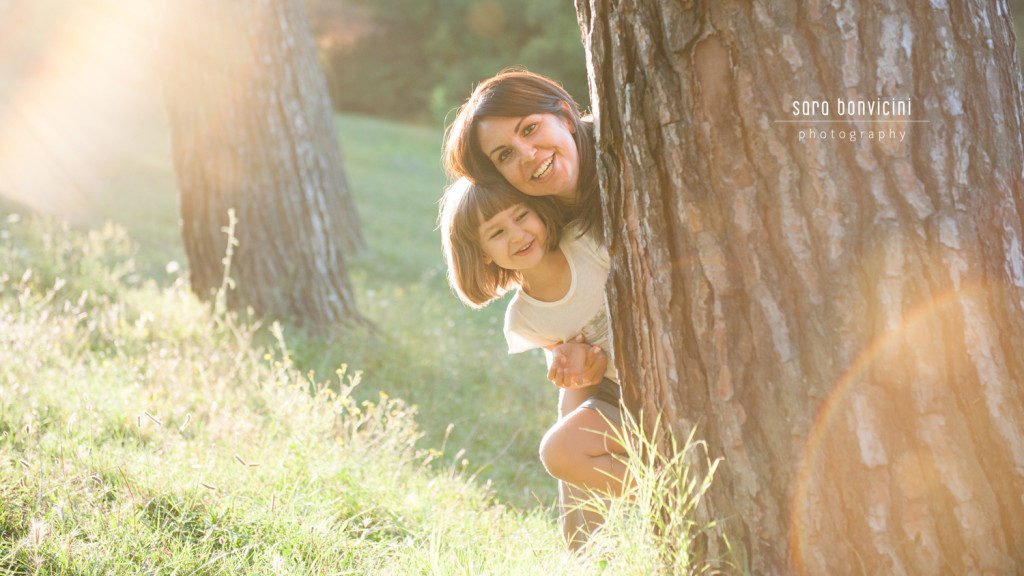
pixel 879 119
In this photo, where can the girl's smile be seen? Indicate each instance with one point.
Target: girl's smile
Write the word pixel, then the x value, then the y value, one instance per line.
pixel 526 249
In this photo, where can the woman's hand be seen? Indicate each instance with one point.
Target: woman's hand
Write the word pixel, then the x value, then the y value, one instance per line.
pixel 577 364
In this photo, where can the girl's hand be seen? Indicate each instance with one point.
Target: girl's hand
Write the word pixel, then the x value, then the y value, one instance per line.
pixel 596 363
pixel 577 364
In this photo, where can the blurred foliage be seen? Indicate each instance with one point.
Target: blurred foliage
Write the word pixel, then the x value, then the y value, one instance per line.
pixel 418 59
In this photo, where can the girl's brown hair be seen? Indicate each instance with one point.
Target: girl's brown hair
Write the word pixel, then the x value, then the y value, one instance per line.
pixel 517 92
pixel 464 207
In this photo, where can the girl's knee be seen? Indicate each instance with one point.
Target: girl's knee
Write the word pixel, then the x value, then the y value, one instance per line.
pixel 557 454
pixel 549 449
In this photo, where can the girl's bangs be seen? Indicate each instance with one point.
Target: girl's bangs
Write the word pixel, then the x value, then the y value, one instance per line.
pixel 486 203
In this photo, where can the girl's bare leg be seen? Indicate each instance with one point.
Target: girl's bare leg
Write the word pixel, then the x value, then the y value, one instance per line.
pixel 576 519
pixel 580 449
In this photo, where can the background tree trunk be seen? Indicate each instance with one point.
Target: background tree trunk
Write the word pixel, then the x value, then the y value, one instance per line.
pixel 252 129
pixel 844 320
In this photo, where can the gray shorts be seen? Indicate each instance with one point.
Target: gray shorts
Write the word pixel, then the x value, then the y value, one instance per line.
pixel 606 400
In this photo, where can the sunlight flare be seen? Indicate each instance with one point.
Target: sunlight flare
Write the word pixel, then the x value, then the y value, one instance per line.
pixel 80 81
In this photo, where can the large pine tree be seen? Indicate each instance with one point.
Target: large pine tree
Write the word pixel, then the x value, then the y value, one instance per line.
pixel 837 302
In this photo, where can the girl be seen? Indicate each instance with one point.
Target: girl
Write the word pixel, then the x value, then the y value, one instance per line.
pixel 497 239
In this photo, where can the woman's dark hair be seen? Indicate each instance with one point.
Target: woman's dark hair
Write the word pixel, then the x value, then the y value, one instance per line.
pixel 517 92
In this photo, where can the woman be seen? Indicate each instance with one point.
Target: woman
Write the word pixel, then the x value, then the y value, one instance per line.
pixel 525 129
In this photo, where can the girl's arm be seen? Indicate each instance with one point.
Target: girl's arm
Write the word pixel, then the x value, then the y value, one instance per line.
pixel 521 336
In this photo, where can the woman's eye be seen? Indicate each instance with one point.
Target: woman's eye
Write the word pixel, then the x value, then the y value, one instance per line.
pixel 522 215
pixel 529 129
pixel 504 154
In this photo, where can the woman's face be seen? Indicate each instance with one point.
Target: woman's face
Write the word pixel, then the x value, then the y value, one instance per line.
pixel 535 153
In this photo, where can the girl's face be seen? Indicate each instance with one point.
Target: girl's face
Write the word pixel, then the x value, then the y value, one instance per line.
pixel 514 238
pixel 535 153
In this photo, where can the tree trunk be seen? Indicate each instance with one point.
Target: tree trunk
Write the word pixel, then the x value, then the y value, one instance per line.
pixel 252 130
pixel 843 318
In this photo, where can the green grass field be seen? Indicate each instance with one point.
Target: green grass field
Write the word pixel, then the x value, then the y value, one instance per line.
pixel 141 434
pixel 446 359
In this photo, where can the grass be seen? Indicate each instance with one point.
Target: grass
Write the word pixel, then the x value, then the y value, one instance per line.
pixel 139 434
pixel 142 433
pixel 446 359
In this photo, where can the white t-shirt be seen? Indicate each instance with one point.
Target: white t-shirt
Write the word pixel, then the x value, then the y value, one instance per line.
pixel 531 323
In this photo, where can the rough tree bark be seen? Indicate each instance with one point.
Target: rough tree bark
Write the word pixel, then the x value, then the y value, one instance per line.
pixel 844 320
pixel 252 130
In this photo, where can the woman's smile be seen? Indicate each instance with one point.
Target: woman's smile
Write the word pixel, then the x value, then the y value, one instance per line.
pixel 544 168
